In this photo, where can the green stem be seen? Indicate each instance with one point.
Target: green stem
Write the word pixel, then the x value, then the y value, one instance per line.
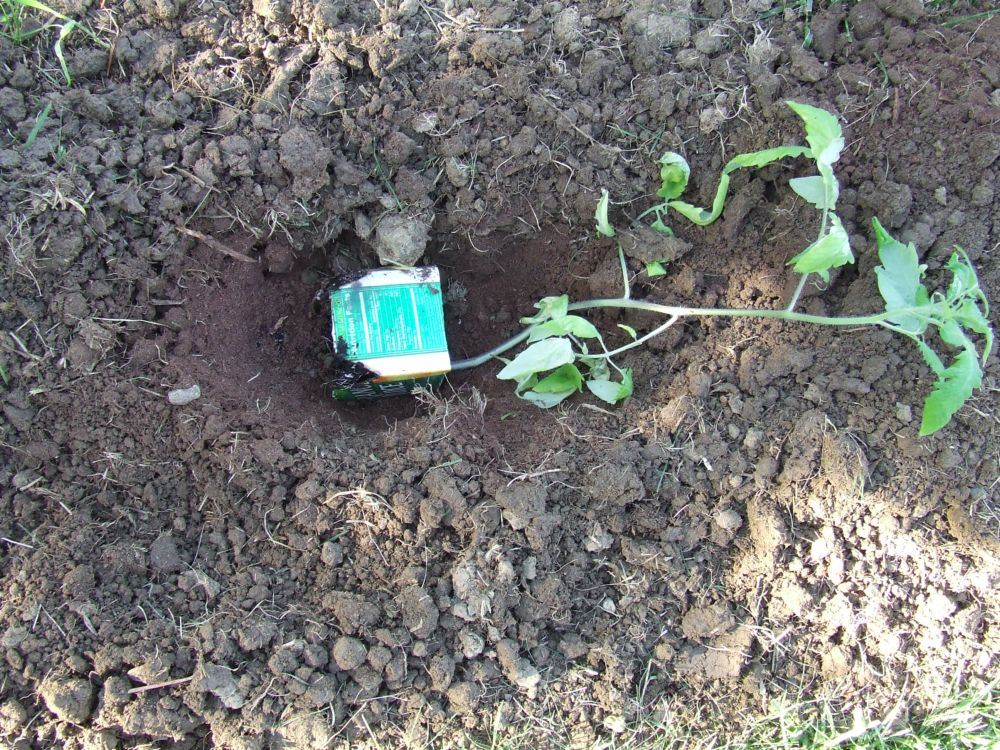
pixel 822 230
pixel 676 312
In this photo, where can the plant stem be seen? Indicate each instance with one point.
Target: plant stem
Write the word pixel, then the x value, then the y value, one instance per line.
pixel 676 312
pixel 798 293
pixel 822 230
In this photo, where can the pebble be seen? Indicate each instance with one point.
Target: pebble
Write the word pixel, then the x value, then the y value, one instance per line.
pixel 183 396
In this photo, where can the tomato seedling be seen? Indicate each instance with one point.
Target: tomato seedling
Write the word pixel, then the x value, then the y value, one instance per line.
pixel 566 353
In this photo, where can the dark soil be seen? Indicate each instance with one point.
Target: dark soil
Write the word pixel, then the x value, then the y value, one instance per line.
pixel 265 567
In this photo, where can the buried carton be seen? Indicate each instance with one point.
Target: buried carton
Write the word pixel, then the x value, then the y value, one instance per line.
pixel 388 333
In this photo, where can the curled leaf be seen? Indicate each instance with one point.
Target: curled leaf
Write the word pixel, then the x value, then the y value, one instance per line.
pixel 549 308
pixel 603 226
pixel 674 174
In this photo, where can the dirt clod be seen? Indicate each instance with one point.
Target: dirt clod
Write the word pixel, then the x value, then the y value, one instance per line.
pixel 69 698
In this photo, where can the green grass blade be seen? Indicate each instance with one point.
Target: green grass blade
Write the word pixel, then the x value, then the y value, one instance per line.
pixel 35 5
pixel 37 127
pixel 65 31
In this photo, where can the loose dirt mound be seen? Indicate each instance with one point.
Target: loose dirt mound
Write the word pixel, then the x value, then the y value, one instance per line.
pixel 265 568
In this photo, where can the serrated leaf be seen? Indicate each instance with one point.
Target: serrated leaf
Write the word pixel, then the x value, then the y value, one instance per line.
pixel 823 132
pixel 830 251
pixel 655 269
pixel 612 392
pixel 674 174
pixel 952 389
pixel 565 378
pixel 964 280
pixel 899 279
pixel 565 325
pixel 952 334
pixel 545 400
pixel 812 189
pixel 603 227
pixel 539 357
pixel 930 357
pixel 972 317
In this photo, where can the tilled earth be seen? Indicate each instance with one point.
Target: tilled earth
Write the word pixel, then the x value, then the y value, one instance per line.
pixel 265 568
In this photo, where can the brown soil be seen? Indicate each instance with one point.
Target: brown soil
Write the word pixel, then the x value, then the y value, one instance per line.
pixel 264 567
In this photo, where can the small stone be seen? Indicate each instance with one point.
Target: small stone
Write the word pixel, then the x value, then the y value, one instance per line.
pixel 183 396
pixel 401 240
pixel 419 612
pixel 190 580
pixel 332 554
pixel 425 122
pixel 70 699
pixel 598 539
pixel 163 555
pixel 349 653
pixel 472 643
pixel 322 692
pixel 806 67
pixel 728 520
pixel 464 697
pixel 216 679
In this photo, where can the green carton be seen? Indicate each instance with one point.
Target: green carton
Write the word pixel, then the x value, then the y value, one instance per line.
pixel 388 333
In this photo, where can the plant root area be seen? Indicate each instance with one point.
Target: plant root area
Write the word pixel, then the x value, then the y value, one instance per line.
pixel 264 567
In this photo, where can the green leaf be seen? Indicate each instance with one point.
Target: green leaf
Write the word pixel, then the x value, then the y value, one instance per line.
pixel 899 279
pixel 36 5
pixel 674 174
pixel 763 158
pixel 567 324
pixel 549 308
pixel 655 269
pixel 612 392
pixel 603 227
pixel 629 330
pixel 660 227
pixel 64 31
pixel 543 355
pixel 565 378
pixel 37 127
pixel 930 357
pixel 545 400
pixel 812 189
pixel 953 388
pixel 699 215
pixel 972 317
pixel 823 132
pixel 703 217
pixel 964 280
pixel 830 251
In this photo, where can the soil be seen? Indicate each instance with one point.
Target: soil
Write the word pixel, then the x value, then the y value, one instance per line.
pixel 265 567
